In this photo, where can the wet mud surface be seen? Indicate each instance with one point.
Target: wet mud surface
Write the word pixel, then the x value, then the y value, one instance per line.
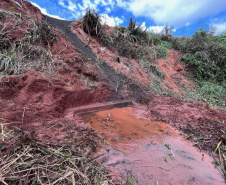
pixel 153 151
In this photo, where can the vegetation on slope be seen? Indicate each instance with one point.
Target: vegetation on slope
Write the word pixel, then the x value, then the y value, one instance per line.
pixel 204 54
pixel 25 50
pixel 205 58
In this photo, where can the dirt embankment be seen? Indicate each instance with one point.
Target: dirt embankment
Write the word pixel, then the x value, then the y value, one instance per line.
pixel 93 73
pixel 44 95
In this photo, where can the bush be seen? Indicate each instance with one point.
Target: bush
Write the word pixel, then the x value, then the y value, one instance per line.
pixel 161 51
pixel 91 23
pixel 205 55
pixel 41 32
pixel 130 41
pixel 156 39
pixel 166 44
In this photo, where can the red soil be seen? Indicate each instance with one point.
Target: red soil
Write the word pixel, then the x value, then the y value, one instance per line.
pixel 130 68
pixel 178 112
pixel 26 8
pixel 37 96
pixel 140 145
pixel 36 100
pixel 174 72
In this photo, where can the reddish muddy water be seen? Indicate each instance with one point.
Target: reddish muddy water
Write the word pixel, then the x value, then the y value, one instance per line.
pixel 154 152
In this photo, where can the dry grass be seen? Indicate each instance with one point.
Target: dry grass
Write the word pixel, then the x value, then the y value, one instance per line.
pixel 26 160
pixel 30 51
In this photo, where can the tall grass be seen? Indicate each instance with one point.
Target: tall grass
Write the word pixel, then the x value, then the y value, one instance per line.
pixel 30 52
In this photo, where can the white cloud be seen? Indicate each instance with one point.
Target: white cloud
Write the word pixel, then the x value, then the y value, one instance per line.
pixel 143 26
pixel 108 10
pixel 156 29
pixel 122 4
pixel 72 6
pixel 111 21
pixel 187 23
pixel 79 9
pixel 175 12
pixel 220 27
pixel 44 11
pixel 75 12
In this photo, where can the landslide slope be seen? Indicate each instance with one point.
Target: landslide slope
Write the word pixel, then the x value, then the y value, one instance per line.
pixel 48 66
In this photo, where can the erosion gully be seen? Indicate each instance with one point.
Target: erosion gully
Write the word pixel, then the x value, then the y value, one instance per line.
pixel 153 151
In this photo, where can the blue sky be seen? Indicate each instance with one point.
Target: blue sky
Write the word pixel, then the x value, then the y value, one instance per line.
pixel 185 16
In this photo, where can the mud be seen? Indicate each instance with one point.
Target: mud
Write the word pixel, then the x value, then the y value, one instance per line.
pixel 195 120
pixel 37 102
pixel 174 71
pixel 69 113
pixel 122 86
pixel 153 151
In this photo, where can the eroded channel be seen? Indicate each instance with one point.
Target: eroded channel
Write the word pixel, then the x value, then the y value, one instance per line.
pixel 154 152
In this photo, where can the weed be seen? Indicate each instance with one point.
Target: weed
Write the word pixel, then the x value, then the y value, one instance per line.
pixel 161 51
pixel 23 54
pixel 25 57
pixel 168 45
pixel 130 179
pixel 91 23
pixel 156 39
pixel 157 88
pixel 209 92
pixel 155 70
pixel 221 161
pixel 205 55
pixel 41 32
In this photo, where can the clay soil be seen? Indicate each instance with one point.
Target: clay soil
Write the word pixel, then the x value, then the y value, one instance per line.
pixel 35 101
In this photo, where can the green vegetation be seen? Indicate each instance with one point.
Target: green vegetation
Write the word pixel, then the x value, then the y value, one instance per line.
pixel 28 51
pixel 161 51
pixel 130 41
pixel 205 59
pixel 91 23
pixel 205 53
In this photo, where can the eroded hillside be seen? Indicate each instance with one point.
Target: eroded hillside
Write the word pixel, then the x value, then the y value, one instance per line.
pixel 51 68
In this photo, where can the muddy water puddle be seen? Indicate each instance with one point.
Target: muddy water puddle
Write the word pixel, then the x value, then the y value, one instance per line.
pixel 153 151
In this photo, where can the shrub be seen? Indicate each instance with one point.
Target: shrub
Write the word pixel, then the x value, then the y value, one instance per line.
pixel 91 23
pixel 155 70
pixel 161 51
pixel 41 32
pixel 26 53
pixel 156 39
pixel 166 44
pixel 205 55
pixel 2 15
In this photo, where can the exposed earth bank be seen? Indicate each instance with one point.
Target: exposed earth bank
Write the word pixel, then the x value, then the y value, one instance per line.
pixel 36 100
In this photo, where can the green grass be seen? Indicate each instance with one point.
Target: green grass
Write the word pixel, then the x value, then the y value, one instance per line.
pixel 211 93
pixel 161 51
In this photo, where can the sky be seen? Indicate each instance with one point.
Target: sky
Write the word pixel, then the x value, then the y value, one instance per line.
pixel 184 17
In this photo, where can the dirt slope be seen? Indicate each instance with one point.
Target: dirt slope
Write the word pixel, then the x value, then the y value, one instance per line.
pixel 80 75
